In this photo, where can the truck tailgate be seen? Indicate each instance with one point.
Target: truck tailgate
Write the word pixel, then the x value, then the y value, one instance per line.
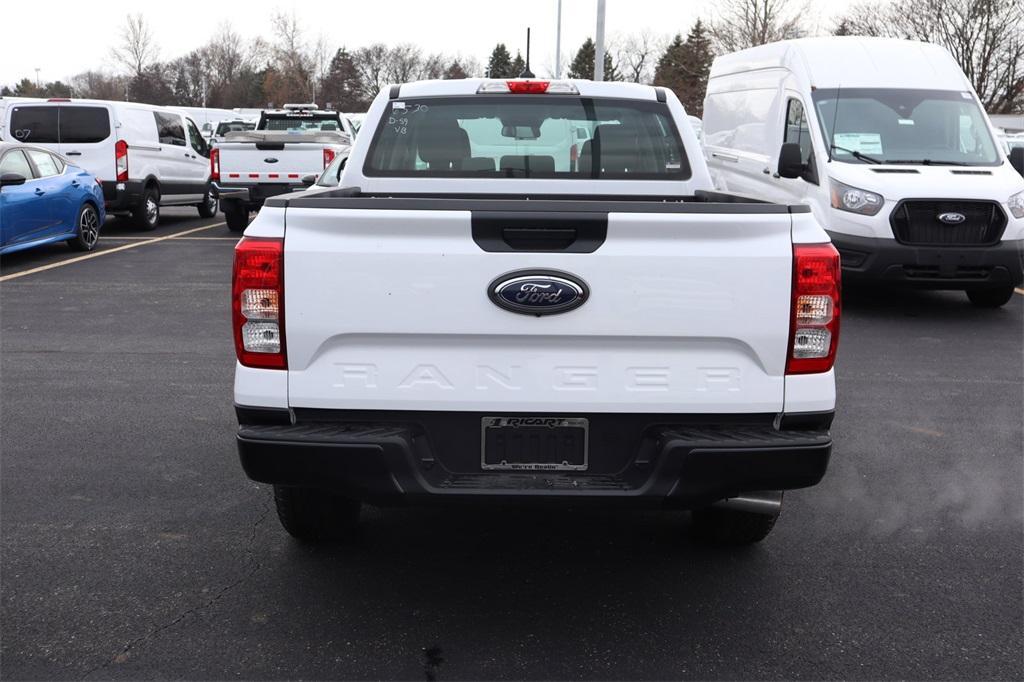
pixel 389 309
pixel 285 162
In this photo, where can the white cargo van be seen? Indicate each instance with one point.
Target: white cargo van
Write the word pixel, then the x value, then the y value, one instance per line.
pixel 145 156
pixel 886 141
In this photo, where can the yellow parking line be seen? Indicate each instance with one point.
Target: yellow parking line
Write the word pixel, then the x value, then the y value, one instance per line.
pixel 97 254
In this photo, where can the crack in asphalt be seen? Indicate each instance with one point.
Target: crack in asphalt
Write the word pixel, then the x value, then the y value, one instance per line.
pixel 252 566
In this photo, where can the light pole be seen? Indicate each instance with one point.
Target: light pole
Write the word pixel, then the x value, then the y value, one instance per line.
pixel 37 77
pixel 558 42
pixel 599 47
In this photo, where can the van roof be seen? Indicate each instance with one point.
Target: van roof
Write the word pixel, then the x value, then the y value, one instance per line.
pixel 853 62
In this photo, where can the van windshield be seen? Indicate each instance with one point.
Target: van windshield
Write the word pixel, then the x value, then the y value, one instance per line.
pixel 938 127
pixel 525 136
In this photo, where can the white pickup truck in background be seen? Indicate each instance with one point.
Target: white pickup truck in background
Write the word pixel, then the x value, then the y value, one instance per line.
pixel 287 145
pixel 527 292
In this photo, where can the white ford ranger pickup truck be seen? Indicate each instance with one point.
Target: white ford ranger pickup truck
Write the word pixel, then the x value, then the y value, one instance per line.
pixel 247 167
pixel 525 291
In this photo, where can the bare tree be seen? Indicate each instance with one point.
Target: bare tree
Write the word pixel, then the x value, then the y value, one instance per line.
pixel 373 63
pixel 138 49
pixel 637 55
pixel 404 63
pixel 739 24
pixel 985 37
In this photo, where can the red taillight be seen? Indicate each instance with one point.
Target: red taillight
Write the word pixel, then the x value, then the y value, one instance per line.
pixel 215 164
pixel 527 87
pixel 815 309
pixel 328 156
pixel 121 160
pixel 257 303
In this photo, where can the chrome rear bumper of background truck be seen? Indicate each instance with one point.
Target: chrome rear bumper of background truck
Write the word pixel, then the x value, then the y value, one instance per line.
pixel 426 457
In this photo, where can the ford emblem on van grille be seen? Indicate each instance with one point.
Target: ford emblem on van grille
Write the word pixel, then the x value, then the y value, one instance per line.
pixel 538 292
pixel 952 218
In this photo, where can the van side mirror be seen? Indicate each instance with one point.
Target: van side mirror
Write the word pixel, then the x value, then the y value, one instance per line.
pixel 791 161
pixel 308 180
pixel 1017 159
pixel 11 179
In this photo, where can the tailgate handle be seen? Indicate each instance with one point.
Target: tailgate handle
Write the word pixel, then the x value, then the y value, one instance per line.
pixel 270 146
pixel 539 238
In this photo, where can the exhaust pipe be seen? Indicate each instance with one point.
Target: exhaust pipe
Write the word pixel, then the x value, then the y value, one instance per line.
pixel 768 503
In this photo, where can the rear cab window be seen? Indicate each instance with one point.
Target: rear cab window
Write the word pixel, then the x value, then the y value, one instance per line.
pixel 301 122
pixel 527 136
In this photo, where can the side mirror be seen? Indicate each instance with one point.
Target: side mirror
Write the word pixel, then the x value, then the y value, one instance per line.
pixel 791 161
pixel 11 179
pixel 1017 159
pixel 309 180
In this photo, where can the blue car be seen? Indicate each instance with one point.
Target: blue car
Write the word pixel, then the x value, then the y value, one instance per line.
pixel 44 198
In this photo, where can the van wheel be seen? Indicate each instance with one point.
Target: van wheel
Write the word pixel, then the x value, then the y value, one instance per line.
pixel 313 515
pixel 235 215
pixel 990 298
pixel 718 526
pixel 88 229
pixel 146 215
pixel 208 208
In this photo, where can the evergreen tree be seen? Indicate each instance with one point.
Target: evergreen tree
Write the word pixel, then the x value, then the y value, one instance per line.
pixel 455 71
pixel 582 65
pixel 500 63
pixel 684 68
pixel 343 86
pixel 518 65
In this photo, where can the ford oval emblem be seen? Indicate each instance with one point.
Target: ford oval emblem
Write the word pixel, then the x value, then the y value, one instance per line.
pixel 538 292
pixel 270 159
pixel 952 218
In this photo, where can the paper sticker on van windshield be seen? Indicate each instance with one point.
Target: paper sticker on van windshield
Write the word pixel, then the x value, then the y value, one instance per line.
pixel 865 143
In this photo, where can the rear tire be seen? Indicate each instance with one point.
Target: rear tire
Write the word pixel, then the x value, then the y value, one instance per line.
pixel 313 515
pixel 235 215
pixel 146 215
pixel 88 229
pixel 208 208
pixel 990 298
pixel 731 527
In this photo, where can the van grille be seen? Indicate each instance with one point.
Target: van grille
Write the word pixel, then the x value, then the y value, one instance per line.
pixel 917 222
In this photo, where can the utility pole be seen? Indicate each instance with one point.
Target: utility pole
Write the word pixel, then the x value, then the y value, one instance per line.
pixel 599 47
pixel 558 42
pixel 37 78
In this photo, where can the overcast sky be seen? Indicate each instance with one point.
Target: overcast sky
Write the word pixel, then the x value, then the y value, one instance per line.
pixel 65 37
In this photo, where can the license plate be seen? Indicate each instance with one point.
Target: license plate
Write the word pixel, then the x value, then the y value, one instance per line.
pixel 534 443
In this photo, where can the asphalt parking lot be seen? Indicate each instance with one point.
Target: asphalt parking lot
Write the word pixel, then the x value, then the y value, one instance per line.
pixel 134 547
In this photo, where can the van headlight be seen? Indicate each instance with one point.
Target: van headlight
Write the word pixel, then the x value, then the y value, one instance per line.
pixel 854 200
pixel 1016 204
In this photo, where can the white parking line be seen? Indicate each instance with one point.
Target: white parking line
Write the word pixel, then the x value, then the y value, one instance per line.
pixel 97 254
pixel 1019 291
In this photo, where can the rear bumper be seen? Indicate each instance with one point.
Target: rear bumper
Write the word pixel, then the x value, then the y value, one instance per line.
pixel 122 196
pixel 949 267
pixel 647 460
pixel 252 194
